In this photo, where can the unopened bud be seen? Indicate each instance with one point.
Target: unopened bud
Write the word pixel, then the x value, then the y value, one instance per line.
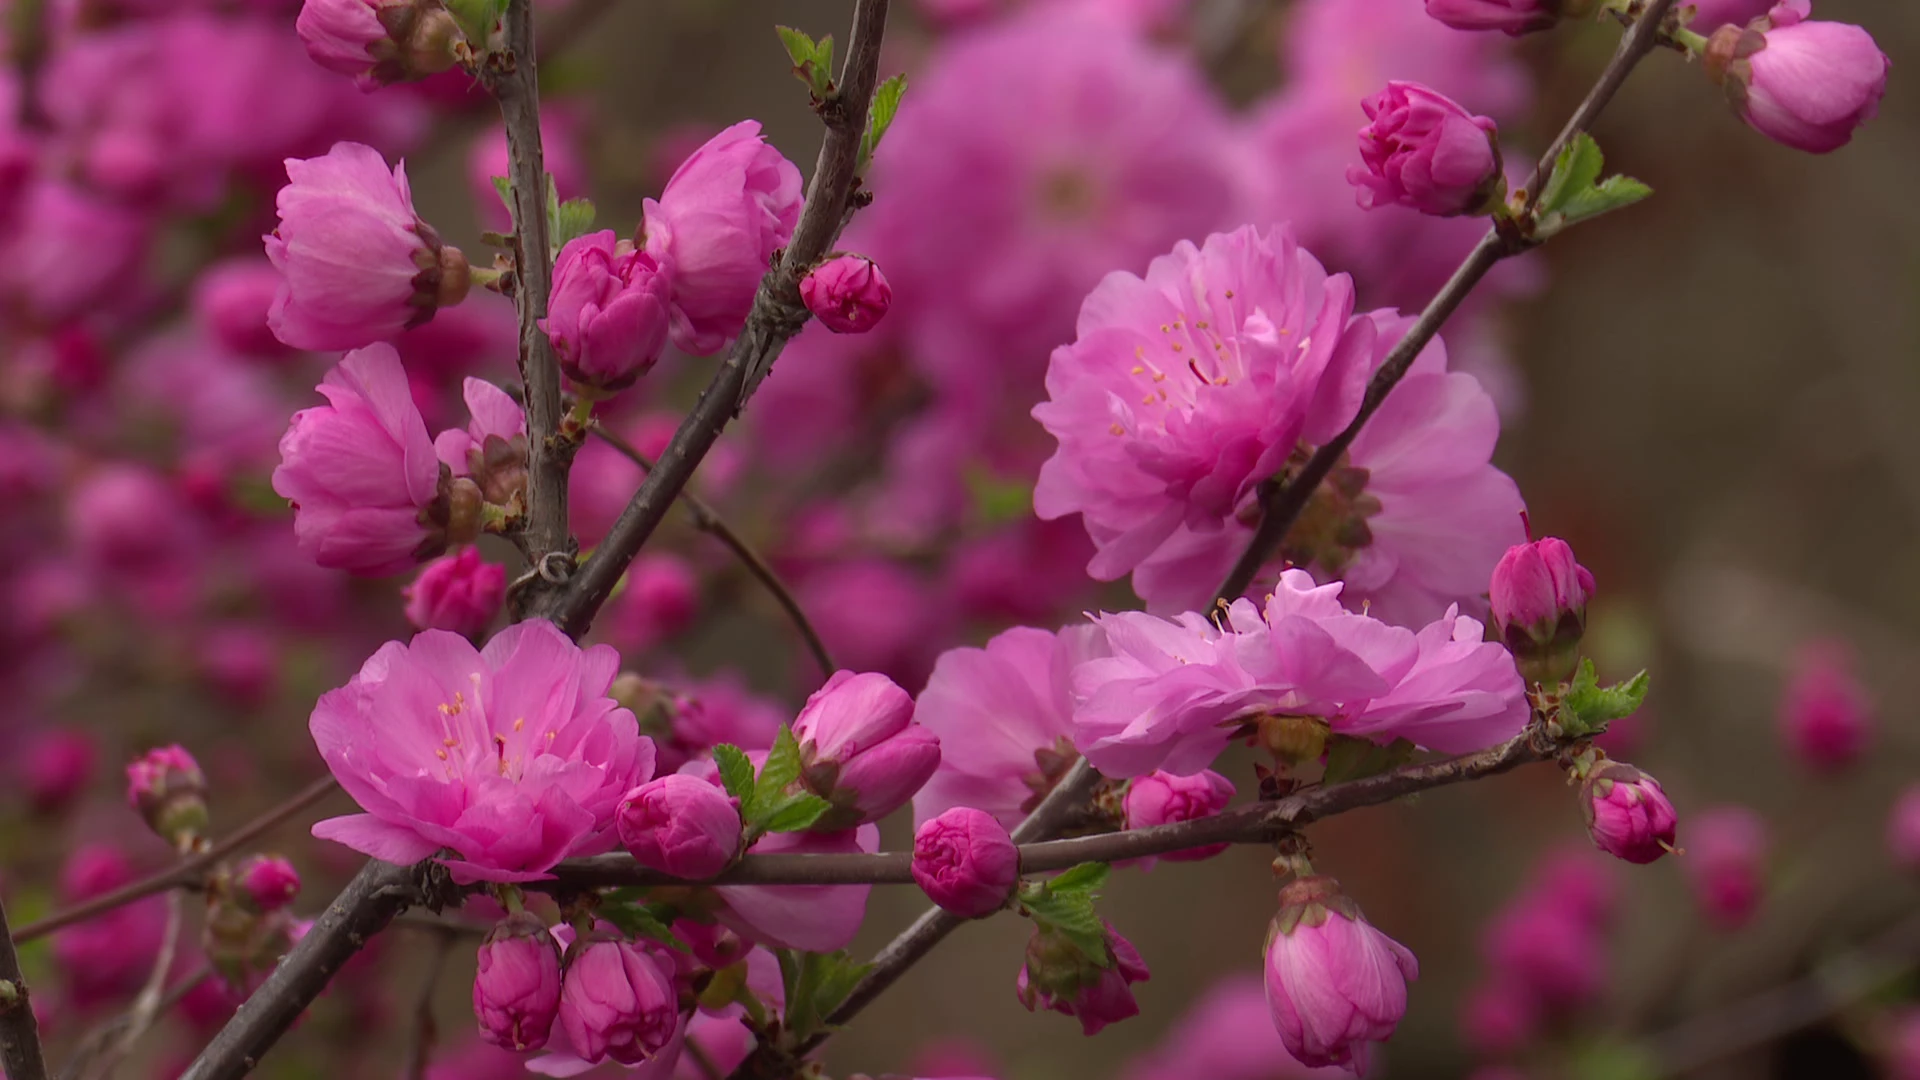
pixel 168 789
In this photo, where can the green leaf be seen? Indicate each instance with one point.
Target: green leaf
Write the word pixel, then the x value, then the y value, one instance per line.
pixel 572 219
pixel 1574 171
pixel 796 813
pixel 777 773
pixel 1575 192
pixel 736 772
pixel 1587 707
pixel 1349 758
pixel 997 501
pixel 1089 877
pixel 812 60
pixel 1610 194
pixel 1065 906
pixel 477 19
pixel 817 984
pixel 626 908
pixel 886 104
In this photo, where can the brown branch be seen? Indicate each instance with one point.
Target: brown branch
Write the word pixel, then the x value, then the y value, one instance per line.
pixel 1282 505
pixel 20 1053
pixel 187 871
pixel 777 316
pixel 708 521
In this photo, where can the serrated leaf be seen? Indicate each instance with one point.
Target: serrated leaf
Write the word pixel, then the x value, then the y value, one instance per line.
pixel 812 60
pixel 799 45
pixel 1352 759
pixel 1087 878
pixel 777 773
pixel 1605 197
pixel 626 909
pixel 817 983
pixel 1575 193
pixel 1587 707
pixel 1072 916
pixel 796 812
pixel 572 219
pixel 1574 171
pixel 886 105
pixel 736 771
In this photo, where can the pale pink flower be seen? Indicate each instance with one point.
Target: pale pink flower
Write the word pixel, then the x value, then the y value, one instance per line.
pixel 1335 985
pixel 1802 83
pixel 513 756
pixel 231 300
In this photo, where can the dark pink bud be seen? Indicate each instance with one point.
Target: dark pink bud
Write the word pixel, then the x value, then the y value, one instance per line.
pixel 1539 599
pixel 516 991
pixel 1058 976
pixel 57 765
pixel 1903 830
pixel 168 789
pixel 617 1001
pixel 1424 151
pixel 266 882
pixel 1628 816
pixel 1514 17
pixel 861 749
pixel 713 944
pixel 460 592
pixel 680 825
pixel 847 293
pixel 379 41
pixel 1803 84
pixel 1161 798
pixel 1825 718
pixel 965 862
pixel 1334 983
pixel 1726 864
pixel 608 315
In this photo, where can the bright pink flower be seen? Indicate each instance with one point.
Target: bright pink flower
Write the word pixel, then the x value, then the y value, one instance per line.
pixel 1710 15
pixel 616 1001
pixel 816 918
pixel 965 862
pixel 608 315
pixel 1422 150
pixel 1903 830
pixel 1726 864
pixel 378 41
pixel 680 825
pixel 360 265
pixel 55 768
pixel 361 473
pixel 512 756
pixel 1557 959
pixel 1095 990
pixel 715 228
pixel 1161 798
pixel 516 991
pixel 1826 719
pixel 859 746
pixel 848 294
pixel 1334 983
pixel 1514 17
pixel 231 299
pixel 660 601
pixel 1628 816
pixel 1801 83
pixel 266 882
pixel 460 592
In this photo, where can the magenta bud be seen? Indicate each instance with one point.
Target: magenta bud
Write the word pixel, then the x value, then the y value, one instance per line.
pixel 1334 983
pixel 860 748
pixel 712 944
pixel 847 293
pixel 1161 798
pixel 965 862
pixel 1539 599
pixel 1422 150
pixel 616 1001
pixel 1512 17
pixel 1803 84
pixel 516 991
pixel 57 765
pixel 1096 990
pixel 1825 717
pixel 168 789
pixel 379 41
pixel 1628 816
pixel 1726 864
pixel 266 882
pixel 680 825
pixel 460 592
pixel 609 312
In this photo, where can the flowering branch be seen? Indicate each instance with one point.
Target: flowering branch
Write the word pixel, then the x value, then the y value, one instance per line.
pixel 1283 504
pixel 20 1054
pixel 708 521
pixel 778 315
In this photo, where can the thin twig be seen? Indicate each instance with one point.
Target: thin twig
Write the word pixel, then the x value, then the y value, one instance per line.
pixel 146 1007
pixel 20 1053
pixel 777 316
pixel 425 1031
pixel 185 872
pixel 97 1040
pixel 708 521
pixel 1284 505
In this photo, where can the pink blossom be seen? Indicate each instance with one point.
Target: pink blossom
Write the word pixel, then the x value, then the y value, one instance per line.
pixel 718 710
pixel 860 749
pixel 360 265
pixel 266 882
pixel 1556 958
pixel 715 228
pixel 660 601
pixel 1334 983
pixel 816 918
pixel 1161 798
pixel 492 448
pixel 516 991
pixel 109 955
pixel 1423 150
pixel 1826 719
pixel 878 615
pixel 1227 1034
pixel 361 473
pixel 616 1001
pixel 1514 17
pixel 1498 1018
pixel 167 789
pixel 680 825
pixel 1628 815
pixel 56 220
pixel 608 315
pixel 460 592
pixel 511 756
pixel 965 862
pixel 1805 84
pixel 1539 602
pixel 378 41
pixel 55 767
pixel 1901 1055
pixel 1726 864
pixel 231 300
pixel 847 293
pixel 1903 829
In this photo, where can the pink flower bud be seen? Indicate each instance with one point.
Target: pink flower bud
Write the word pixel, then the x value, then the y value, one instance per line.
pixel 1161 798
pixel 680 825
pixel 360 265
pixel 368 495
pixel 1825 718
pixel 1726 864
pixel 1514 17
pixel 1628 816
pixel 1551 954
pixel 1424 151
pixel 661 599
pixel 847 293
pixel 608 315
pixel 379 41
pixel 56 766
pixel 713 944
pixel 714 229
pixel 1539 599
pixel 1058 976
pixel 616 1002
pixel 516 991
pixel 460 592
pixel 1334 983
pixel 266 882
pixel 861 749
pixel 1903 830
pixel 231 299
pixel 169 791
pixel 1803 84
pixel 965 862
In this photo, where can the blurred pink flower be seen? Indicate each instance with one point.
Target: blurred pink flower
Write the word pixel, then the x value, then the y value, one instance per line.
pixel 1826 718
pixel 1802 83
pixel 1903 829
pixel 1227 1034
pixel 1726 863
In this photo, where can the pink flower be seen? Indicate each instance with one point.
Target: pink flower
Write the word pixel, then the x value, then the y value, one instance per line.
pixel 1514 17
pixel 366 489
pixel 231 299
pixel 1334 983
pixel 1498 1018
pixel 608 315
pixel 1188 388
pixel 1726 864
pixel 860 749
pixel 1161 798
pixel 111 954
pixel 1903 830
pixel 168 790
pixel 1826 720
pixel 1424 151
pixel 616 1002
pixel 55 767
pixel 661 600
pixel 360 265
pixel 1097 990
pixel 55 219
pixel 1227 1034
pixel 512 756
pixel 1557 959
pixel 460 592
pixel 1628 816
pixel 1710 15
pixel 680 825
pixel 516 991
pixel 715 228
pixel 848 294
pixel 266 882
pixel 1801 83
pixel 492 449
pixel 815 918
pixel 965 862
pixel 378 41
pixel 1539 602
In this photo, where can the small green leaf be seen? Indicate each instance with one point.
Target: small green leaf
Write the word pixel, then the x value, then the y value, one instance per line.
pixel 777 773
pixel 997 500
pixel 627 909
pixel 817 984
pixel 1574 171
pixel 573 219
pixel 812 60
pixel 477 19
pixel 1610 194
pixel 1575 192
pixel 1065 906
pixel 1352 759
pixel 1587 707
pixel 736 772
pixel 1088 877
pixel 796 813
pixel 886 104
